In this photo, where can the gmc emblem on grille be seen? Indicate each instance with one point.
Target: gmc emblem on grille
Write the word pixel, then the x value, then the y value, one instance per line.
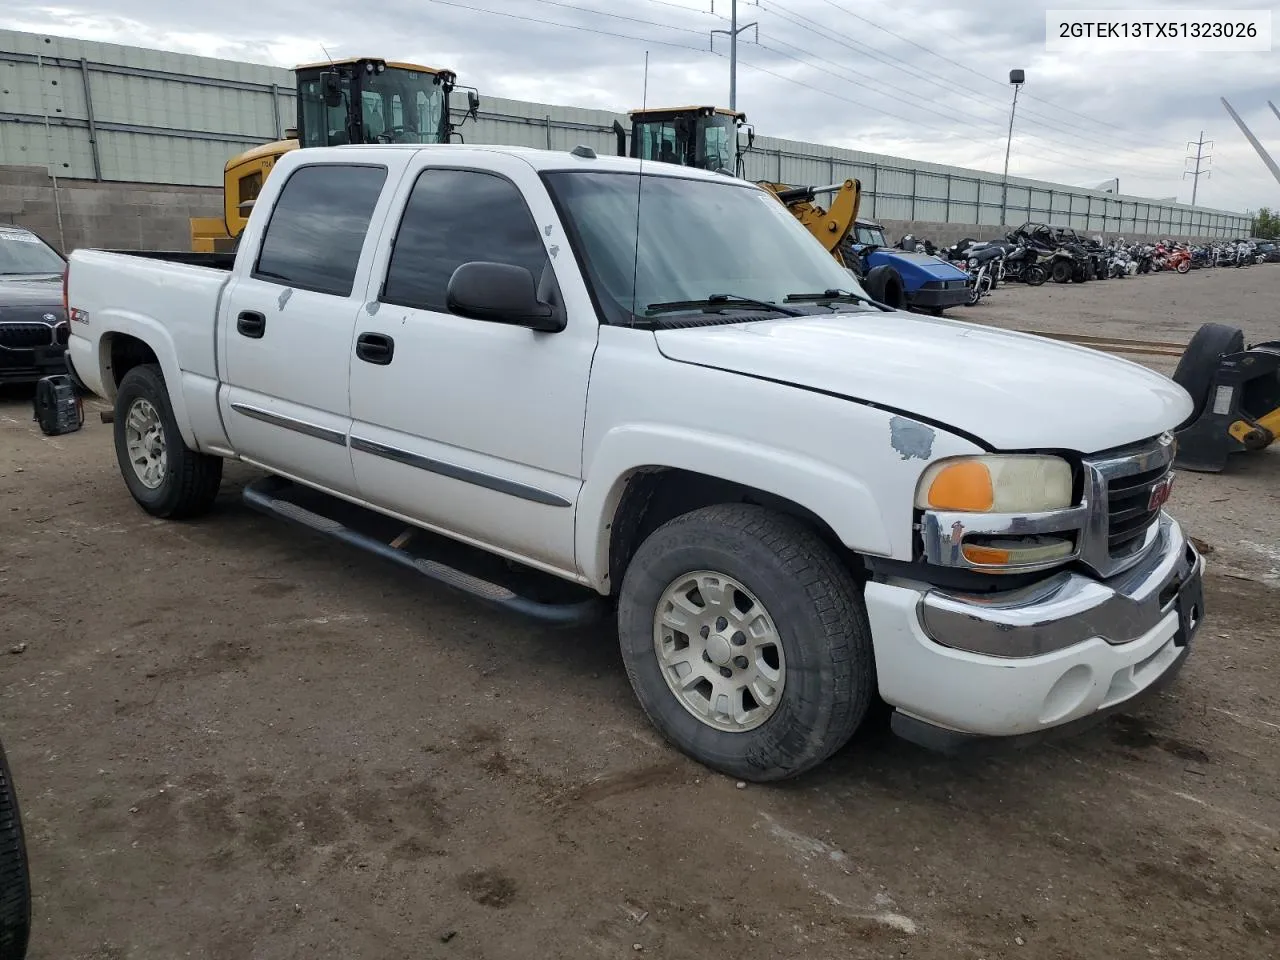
pixel 1160 494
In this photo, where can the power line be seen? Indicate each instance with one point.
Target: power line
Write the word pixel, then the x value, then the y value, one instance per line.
pixel 965 67
pixel 821 30
pixel 620 16
pixel 568 26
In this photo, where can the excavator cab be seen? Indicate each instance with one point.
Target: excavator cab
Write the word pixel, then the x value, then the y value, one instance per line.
pixel 358 100
pixel 706 137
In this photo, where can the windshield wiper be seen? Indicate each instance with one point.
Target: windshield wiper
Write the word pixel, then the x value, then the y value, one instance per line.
pixel 831 296
pixel 717 302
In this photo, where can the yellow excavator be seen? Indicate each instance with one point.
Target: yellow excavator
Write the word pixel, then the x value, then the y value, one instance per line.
pixel 356 100
pixel 711 138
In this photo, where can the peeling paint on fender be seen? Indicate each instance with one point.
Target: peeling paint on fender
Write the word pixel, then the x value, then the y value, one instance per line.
pixel 912 440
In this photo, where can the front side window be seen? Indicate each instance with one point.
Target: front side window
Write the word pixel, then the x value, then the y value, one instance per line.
pixel 658 141
pixel 318 227
pixel 719 143
pixel 402 106
pixel 696 238
pixel 455 217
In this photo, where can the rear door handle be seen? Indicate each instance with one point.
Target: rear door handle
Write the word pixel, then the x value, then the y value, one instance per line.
pixel 375 348
pixel 251 324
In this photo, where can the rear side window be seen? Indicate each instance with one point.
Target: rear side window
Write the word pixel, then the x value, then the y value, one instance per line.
pixel 454 217
pixel 318 227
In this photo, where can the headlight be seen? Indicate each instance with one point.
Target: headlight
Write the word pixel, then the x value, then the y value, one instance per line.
pixel 973 261
pixel 996 484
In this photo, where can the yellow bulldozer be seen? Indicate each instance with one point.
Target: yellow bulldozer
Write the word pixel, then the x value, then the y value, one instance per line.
pixel 356 100
pixel 711 138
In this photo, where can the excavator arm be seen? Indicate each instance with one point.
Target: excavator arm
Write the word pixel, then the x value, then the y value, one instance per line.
pixel 832 224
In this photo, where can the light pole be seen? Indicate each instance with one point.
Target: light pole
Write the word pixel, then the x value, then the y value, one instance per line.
pixel 1017 78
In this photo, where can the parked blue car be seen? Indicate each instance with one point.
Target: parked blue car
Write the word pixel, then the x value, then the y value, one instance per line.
pixel 899 278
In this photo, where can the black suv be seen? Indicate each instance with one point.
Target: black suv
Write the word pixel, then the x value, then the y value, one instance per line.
pixel 33 323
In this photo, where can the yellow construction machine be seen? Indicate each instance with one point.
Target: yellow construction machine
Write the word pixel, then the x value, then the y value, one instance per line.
pixel 357 100
pixel 711 138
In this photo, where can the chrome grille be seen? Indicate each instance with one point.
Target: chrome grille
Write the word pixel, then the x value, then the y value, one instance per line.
pixel 1128 513
pixel 25 336
pixel 1118 486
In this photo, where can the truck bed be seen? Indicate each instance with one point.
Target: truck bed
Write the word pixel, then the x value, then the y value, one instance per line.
pixel 154 296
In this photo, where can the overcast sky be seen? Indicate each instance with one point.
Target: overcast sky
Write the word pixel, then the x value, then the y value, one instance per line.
pixel 924 79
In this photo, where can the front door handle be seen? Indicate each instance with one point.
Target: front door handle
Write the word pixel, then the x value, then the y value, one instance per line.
pixel 375 348
pixel 251 324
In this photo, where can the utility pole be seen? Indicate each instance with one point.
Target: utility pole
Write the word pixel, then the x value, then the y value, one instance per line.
pixel 733 32
pixel 1200 156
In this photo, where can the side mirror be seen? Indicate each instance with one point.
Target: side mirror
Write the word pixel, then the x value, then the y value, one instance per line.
pixel 500 293
pixel 473 104
pixel 331 88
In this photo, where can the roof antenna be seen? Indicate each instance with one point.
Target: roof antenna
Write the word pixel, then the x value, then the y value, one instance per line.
pixel 328 55
pixel 635 266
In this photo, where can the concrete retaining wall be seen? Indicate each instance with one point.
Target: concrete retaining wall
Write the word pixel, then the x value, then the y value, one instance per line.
pixel 136 216
pixel 118 216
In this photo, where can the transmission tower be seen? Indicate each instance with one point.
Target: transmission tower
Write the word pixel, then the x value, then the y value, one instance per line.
pixel 1199 158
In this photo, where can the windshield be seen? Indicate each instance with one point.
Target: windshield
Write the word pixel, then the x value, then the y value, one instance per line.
pixel 698 238
pixel 22 253
pixel 719 142
pixel 870 236
pixel 396 106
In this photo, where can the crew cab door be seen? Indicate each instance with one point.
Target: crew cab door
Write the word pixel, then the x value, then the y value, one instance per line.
pixel 287 321
pixel 473 428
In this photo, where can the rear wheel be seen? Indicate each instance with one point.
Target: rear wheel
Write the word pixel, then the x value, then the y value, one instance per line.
pixel 15 880
pixel 1061 272
pixel 165 476
pixel 1035 275
pixel 1184 266
pixel 746 641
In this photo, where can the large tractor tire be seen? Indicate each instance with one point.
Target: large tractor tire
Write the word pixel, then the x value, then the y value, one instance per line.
pixel 885 286
pixel 1199 362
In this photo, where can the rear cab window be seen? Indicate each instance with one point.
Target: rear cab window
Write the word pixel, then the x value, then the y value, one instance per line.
pixel 318 227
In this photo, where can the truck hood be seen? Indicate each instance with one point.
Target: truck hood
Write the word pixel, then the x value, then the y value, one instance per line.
pixel 1013 391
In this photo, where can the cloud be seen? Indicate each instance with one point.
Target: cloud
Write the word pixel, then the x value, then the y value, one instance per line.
pixel 919 78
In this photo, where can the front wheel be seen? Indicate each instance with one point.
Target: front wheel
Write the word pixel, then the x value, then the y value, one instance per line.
pixel 1035 275
pixel 746 641
pixel 166 477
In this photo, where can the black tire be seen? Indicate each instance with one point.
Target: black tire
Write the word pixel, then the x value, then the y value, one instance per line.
pixel 15 878
pixel 1035 275
pixel 1199 362
pixel 885 286
pixel 191 480
pixel 820 619
pixel 1061 272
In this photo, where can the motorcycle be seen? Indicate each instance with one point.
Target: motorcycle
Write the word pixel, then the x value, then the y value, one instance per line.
pixel 982 261
pixel 1179 259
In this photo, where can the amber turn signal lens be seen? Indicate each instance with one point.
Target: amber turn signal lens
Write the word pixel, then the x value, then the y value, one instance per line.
pixel 962 486
pixel 989 556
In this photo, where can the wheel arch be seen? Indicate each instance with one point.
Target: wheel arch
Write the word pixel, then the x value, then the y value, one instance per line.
pixel 615 515
pixel 120 350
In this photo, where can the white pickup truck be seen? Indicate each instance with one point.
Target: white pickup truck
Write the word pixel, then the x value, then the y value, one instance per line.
pixel 564 383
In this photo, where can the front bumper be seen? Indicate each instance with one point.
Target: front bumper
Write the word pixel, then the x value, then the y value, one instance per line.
pixel 1046 659
pixel 929 296
pixel 28 365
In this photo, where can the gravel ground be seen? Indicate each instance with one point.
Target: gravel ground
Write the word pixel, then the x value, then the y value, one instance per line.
pixel 234 740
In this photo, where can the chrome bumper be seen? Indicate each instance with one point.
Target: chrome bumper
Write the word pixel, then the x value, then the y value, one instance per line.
pixel 1070 608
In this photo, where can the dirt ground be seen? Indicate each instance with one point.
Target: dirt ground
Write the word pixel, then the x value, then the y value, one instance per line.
pixel 235 740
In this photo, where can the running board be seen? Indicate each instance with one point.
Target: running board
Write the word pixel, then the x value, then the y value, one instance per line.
pixel 368 531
